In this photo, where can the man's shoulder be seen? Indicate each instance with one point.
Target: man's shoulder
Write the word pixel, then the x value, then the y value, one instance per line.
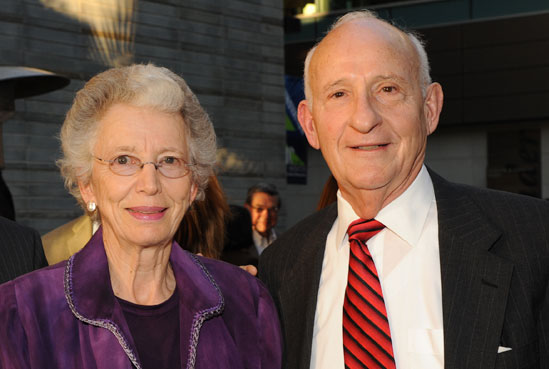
pixel 500 207
pixel 319 220
pixel 15 230
pixel 310 230
pixel 500 199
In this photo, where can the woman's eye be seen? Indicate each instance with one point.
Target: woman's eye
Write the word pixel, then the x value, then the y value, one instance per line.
pixel 169 160
pixel 123 160
pixel 338 94
pixel 389 89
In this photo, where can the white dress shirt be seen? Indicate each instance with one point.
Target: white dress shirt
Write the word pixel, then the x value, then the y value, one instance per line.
pixel 406 256
pixel 261 242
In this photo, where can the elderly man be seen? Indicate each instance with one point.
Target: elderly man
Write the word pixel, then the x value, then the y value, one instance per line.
pixel 263 202
pixel 407 270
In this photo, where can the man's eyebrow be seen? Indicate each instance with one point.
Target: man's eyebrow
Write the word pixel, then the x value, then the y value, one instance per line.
pixel 381 77
pixel 391 77
pixel 331 85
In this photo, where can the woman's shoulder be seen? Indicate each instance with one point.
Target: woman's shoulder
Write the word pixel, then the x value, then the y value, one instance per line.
pixel 35 287
pixel 233 280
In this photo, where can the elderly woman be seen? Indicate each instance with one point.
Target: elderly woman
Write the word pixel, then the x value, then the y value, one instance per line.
pixel 138 149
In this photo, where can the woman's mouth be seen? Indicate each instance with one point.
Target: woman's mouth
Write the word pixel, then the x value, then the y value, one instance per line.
pixel 147 212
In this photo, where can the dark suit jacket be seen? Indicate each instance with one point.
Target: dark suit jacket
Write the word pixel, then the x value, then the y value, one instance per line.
pixel 494 256
pixel 20 250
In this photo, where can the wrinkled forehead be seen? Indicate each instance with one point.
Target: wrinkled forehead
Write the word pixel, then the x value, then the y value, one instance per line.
pixel 362 37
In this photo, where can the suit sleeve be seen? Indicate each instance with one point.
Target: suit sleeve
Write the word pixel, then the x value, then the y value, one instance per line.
pixel 269 328
pixel 13 341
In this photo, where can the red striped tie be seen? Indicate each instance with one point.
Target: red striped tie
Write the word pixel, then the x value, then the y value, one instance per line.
pixel 366 334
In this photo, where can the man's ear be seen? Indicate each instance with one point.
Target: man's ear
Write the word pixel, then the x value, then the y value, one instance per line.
pixel 86 191
pixel 432 106
pixel 305 117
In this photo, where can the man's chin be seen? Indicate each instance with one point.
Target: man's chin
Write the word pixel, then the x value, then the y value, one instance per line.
pixel 263 233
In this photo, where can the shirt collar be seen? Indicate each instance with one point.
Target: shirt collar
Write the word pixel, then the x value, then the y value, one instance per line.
pixel 405 215
pixel 345 215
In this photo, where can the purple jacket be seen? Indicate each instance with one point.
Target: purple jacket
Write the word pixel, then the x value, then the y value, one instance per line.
pixel 66 316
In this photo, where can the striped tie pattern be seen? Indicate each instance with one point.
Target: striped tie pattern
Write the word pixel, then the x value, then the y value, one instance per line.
pixel 366 334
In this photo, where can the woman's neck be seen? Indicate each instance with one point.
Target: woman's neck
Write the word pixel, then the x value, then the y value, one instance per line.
pixel 141 275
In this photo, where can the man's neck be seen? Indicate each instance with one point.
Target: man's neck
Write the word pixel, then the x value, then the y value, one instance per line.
pixel 267 235
pixel 367 203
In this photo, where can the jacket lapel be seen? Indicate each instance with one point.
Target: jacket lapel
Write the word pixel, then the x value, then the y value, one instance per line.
pixel 475 282
pixel 92 300
pixel 199 300
pixel 299 289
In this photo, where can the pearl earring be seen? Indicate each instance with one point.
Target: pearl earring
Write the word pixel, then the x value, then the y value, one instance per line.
pixel 91 206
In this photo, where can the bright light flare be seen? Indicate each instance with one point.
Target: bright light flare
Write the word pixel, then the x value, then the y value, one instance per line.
pixel 309 9
pixel 111 24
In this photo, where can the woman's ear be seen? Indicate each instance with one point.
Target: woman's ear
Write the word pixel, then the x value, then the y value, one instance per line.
pixel 194 192
pixel 86 191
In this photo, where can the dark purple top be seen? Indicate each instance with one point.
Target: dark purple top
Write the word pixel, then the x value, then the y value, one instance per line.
pixel 155 331
pixel 66 316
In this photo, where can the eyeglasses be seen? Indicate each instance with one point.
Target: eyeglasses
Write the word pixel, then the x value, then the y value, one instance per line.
pixel 261 209
pixel 127 165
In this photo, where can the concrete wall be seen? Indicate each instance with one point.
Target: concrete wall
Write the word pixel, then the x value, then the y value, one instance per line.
pixel 459 156
pixel 230 52
pixel 301 200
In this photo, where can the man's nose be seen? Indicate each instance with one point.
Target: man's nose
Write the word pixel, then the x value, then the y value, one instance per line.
pixel 365 115
pixel 264 214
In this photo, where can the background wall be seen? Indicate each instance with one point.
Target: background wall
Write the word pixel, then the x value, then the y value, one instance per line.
pixel 492 59
pixel 230 52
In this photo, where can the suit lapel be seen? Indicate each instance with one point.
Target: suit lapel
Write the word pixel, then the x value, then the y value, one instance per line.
pixel 475 282
pixel 299 289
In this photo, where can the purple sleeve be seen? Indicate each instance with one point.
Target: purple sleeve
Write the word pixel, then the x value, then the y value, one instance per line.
pixel 13 341
pixel 269 331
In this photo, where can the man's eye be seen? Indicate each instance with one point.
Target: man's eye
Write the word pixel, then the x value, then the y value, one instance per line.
pixel 338 94
pixel 389 89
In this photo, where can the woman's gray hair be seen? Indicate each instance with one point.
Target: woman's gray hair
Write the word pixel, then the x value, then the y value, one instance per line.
pixel 140 86
pixel 415 39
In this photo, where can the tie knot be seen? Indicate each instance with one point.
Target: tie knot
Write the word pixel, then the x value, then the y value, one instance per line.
pixel 363 230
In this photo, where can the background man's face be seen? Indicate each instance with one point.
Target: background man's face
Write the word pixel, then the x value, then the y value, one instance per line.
pixel 264 212
pixel 368 111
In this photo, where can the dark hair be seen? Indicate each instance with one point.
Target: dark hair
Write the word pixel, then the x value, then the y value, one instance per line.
pixel 239 246
pixel 329 193
pixel 263 187
pixel 202 229
pixel 239 229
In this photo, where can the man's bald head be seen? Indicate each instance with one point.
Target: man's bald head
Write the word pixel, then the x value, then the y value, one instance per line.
pixel 416 46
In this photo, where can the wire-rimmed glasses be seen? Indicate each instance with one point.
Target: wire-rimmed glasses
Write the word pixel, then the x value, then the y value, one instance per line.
pixel 127 165
pixel 261 209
